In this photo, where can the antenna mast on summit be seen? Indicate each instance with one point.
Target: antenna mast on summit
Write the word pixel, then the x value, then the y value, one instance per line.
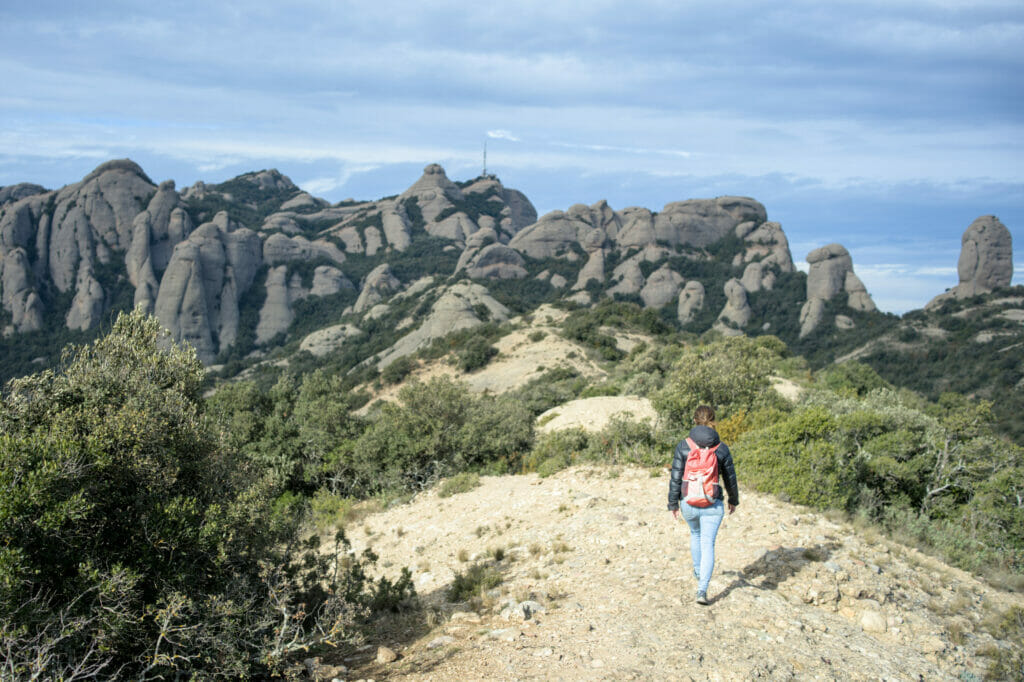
pixel 485 156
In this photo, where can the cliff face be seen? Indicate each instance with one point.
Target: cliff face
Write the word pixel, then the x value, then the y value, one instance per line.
pixel 247 258
pixel 60 240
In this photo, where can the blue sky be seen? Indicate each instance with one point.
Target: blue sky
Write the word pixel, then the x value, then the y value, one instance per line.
pixel 885 126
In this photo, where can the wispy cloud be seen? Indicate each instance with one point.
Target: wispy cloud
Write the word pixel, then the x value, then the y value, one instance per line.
pixel 502 135
pixel 324 185
pixel 641 151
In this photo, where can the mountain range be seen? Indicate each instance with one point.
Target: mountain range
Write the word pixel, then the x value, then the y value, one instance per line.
pixel 254 266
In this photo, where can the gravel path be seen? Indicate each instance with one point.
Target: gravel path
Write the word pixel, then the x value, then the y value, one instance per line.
pixel 597 585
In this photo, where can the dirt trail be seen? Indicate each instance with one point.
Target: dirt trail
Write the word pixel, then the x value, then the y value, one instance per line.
pixel 597 586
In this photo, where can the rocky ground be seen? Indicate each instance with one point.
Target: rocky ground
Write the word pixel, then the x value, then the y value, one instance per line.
pixel 596 584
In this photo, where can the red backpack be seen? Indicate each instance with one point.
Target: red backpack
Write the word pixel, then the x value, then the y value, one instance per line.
pixel 701 475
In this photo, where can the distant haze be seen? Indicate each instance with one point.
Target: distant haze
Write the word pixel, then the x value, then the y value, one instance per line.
pixel 885 126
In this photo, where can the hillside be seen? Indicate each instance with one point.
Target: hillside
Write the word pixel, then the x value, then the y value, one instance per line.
pixel 602 570
pixel 972 345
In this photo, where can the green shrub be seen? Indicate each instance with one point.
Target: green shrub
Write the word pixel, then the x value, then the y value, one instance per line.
pixel 1008 663
pixel 328 510
pixel 292 430
pixel 730 374
pixel 853 377
pixel 552 388
pixel 473 582
pixel 137 543
pixel 624 441
pixel 930 474
pixel 796 460
pixel 397 370
pixel 552 465
pixel 556 450
pixel 438 429
pixel 475 354
pixel 459 483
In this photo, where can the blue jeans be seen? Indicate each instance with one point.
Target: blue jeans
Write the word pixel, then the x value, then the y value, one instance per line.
pixel 704 523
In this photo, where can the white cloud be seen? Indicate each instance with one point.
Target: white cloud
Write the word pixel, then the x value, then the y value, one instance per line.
pixel 628 150
pixel 502 135
pixel 323 185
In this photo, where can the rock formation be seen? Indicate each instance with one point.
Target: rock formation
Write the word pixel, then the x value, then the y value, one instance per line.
pixel 19 297
pixel 628 278
pixel 693 223
pixel 204 281
pixel 379 284
pixel 831 273
pixel 592 270
pixel 279 248
pixel 661 288
pixel 396 226
pixel 66 235
pixel 12 193
pixel 276 314
pixel 485 236
pixel 454 310
pixel 986 260
pixel 323 341
pixel 736 313
pixel 497 261
pixel 691 301
pixel 72 242
pixel 766 243
pixel 434 193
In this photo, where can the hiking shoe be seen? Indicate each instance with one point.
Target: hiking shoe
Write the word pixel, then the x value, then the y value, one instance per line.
pixel 702 598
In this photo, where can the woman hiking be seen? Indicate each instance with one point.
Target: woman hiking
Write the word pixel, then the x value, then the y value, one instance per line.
pixel 701 468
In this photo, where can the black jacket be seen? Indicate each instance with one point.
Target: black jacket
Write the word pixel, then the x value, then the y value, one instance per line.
pixel 705 437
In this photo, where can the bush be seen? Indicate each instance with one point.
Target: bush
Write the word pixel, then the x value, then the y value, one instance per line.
pixel 730 374
pixel 553 387
pixel 438 429
pixel 552 465
pixel 397 370
pixel 291 431
pixel 556 450
pixel 931 474
pixel 328 510
pixel 624 441
pixel 476 354
pixel 853 377
pixel 473 582
pixel 134 543
pixel 795 460
pixel 459 483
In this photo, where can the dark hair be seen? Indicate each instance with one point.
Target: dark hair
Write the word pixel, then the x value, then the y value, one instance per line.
pixel 704 415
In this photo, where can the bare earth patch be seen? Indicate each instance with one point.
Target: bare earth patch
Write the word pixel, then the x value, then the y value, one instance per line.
pixel 520 358
pixel 593 414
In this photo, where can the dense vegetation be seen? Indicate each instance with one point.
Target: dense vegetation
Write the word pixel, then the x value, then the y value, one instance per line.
pixel 136 542
pixel 968 346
